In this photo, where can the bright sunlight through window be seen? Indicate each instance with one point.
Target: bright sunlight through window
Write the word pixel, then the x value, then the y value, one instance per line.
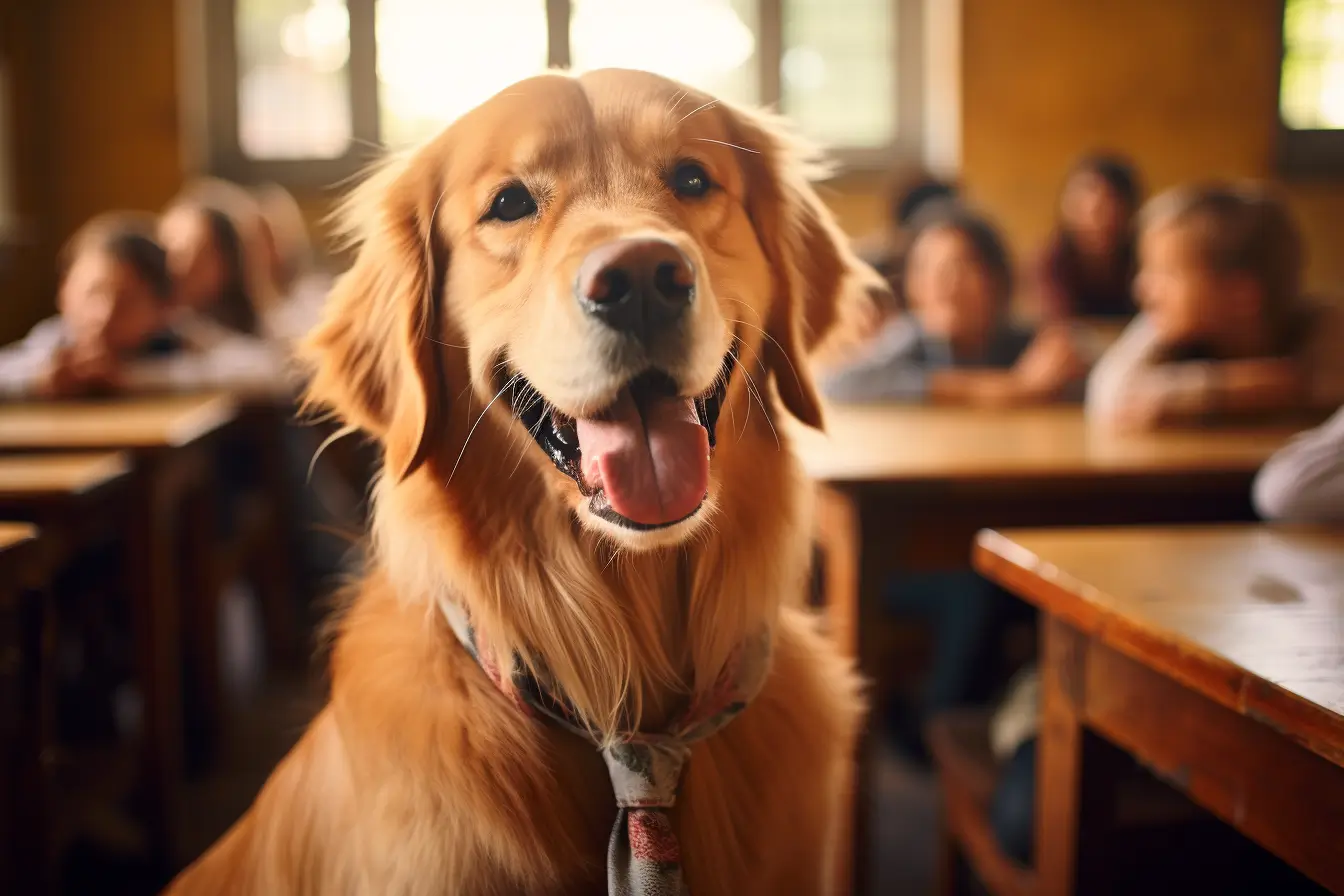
pixel 1311 95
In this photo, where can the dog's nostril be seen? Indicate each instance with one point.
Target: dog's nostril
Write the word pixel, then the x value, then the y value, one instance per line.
pixel 667 280
pixel 613 285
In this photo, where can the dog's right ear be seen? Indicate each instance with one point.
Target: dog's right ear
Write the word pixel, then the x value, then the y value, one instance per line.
pixel 374 359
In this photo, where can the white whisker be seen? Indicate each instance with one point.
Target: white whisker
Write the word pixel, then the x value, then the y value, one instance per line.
pixel 709 105
pixel 441 342
pixel 327 442
pixel 472 431
pixel 726 143
pixel 785 354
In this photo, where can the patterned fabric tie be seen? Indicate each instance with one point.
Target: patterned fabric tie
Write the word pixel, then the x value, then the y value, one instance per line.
pixel 643 855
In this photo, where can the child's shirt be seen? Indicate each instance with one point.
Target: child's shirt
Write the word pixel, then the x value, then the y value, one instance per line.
pixel 1065 290
pixel 295 316
pixel 22 363
pixel 1304 481
pixel 192 355
pixel 896 365
pixel 1136 366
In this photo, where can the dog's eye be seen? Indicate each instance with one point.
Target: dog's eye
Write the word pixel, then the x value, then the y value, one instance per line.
pixel 513 203
pixel 690 180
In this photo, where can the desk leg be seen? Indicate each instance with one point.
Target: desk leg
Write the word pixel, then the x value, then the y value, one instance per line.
pixel 199 588
pixel 25 848
pixel 274 563
pixel 150 546
pixel 1076 770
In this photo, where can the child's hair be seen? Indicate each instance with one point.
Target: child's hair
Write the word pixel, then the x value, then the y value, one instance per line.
pixel 1115 171
pixel 233 308
pixel 282 216
pixel 1242 229
pixel 916 192
pixel 979 231
pixel 129 238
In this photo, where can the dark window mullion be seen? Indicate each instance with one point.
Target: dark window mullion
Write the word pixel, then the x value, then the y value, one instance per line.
pixel 770 48
pixel 558 15
pixel 364 126
pixel 221 84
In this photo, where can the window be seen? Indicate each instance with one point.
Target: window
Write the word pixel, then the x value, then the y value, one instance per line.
pixel 308 89
pixel 1311 87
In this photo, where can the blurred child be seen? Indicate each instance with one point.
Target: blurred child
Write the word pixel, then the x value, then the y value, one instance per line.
pixel 117 330
pixel 206 258
pixel 957 344
pixel 1087 269
pixel 224 254
pixel 113 306
pixel 285 233
pixel 1304 481
pixel 912 190
pixel 1224 329
pixel 302 286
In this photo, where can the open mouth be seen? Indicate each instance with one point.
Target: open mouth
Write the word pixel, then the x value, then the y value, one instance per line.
pixel 642 461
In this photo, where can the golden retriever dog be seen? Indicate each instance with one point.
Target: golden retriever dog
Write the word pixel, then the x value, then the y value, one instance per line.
pixel 575 324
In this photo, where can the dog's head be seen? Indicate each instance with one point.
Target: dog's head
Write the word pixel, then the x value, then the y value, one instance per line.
pixel 591 277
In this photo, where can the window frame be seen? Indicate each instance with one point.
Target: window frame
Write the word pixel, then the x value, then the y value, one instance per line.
pixel 1303 154
pixel 208 62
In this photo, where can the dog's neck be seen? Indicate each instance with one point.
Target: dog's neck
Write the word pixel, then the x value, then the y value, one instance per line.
pixel 625 633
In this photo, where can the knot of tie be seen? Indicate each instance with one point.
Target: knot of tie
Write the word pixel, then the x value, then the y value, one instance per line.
pixel 643 855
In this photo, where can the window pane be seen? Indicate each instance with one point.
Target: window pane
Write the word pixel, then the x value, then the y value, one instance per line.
pixel 836 71
pixel 293 78
pixel 439 58
pixel 708 44
pixel 1311 95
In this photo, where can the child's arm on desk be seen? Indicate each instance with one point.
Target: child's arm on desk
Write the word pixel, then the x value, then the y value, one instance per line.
pixel 886 369
pixel 26 366
pixel 214 359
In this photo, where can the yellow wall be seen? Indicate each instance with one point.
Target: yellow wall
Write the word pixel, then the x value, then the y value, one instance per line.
pixel 1186 87
pixel 96 123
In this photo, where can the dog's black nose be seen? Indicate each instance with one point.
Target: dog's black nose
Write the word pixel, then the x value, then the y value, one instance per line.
pixel 637 286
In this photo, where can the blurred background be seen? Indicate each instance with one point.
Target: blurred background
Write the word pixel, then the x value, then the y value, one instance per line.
pixel 256 115
pixel 116 105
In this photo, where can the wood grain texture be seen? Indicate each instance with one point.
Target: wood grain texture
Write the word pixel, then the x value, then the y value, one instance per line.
pixel 1215 656
pixel 14 535
pixel 1251 617
pixel 34 476
pixel 912 443
pixel 1242 770
pixel 166 422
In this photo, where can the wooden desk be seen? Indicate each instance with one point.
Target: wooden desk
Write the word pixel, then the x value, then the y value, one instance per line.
pixel 146 423
pixel 20 839
pixel 38 478
pixel 906 487
pixel 169 528
pixel 893 445
pixel 1214 655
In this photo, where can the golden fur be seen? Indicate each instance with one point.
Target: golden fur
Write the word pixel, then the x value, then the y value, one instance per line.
pixel 419 777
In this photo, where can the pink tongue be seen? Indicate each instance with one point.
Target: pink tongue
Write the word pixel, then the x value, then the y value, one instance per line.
pixel 654 468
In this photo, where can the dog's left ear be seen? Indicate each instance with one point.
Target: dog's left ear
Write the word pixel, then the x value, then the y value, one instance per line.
pixel 813 267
